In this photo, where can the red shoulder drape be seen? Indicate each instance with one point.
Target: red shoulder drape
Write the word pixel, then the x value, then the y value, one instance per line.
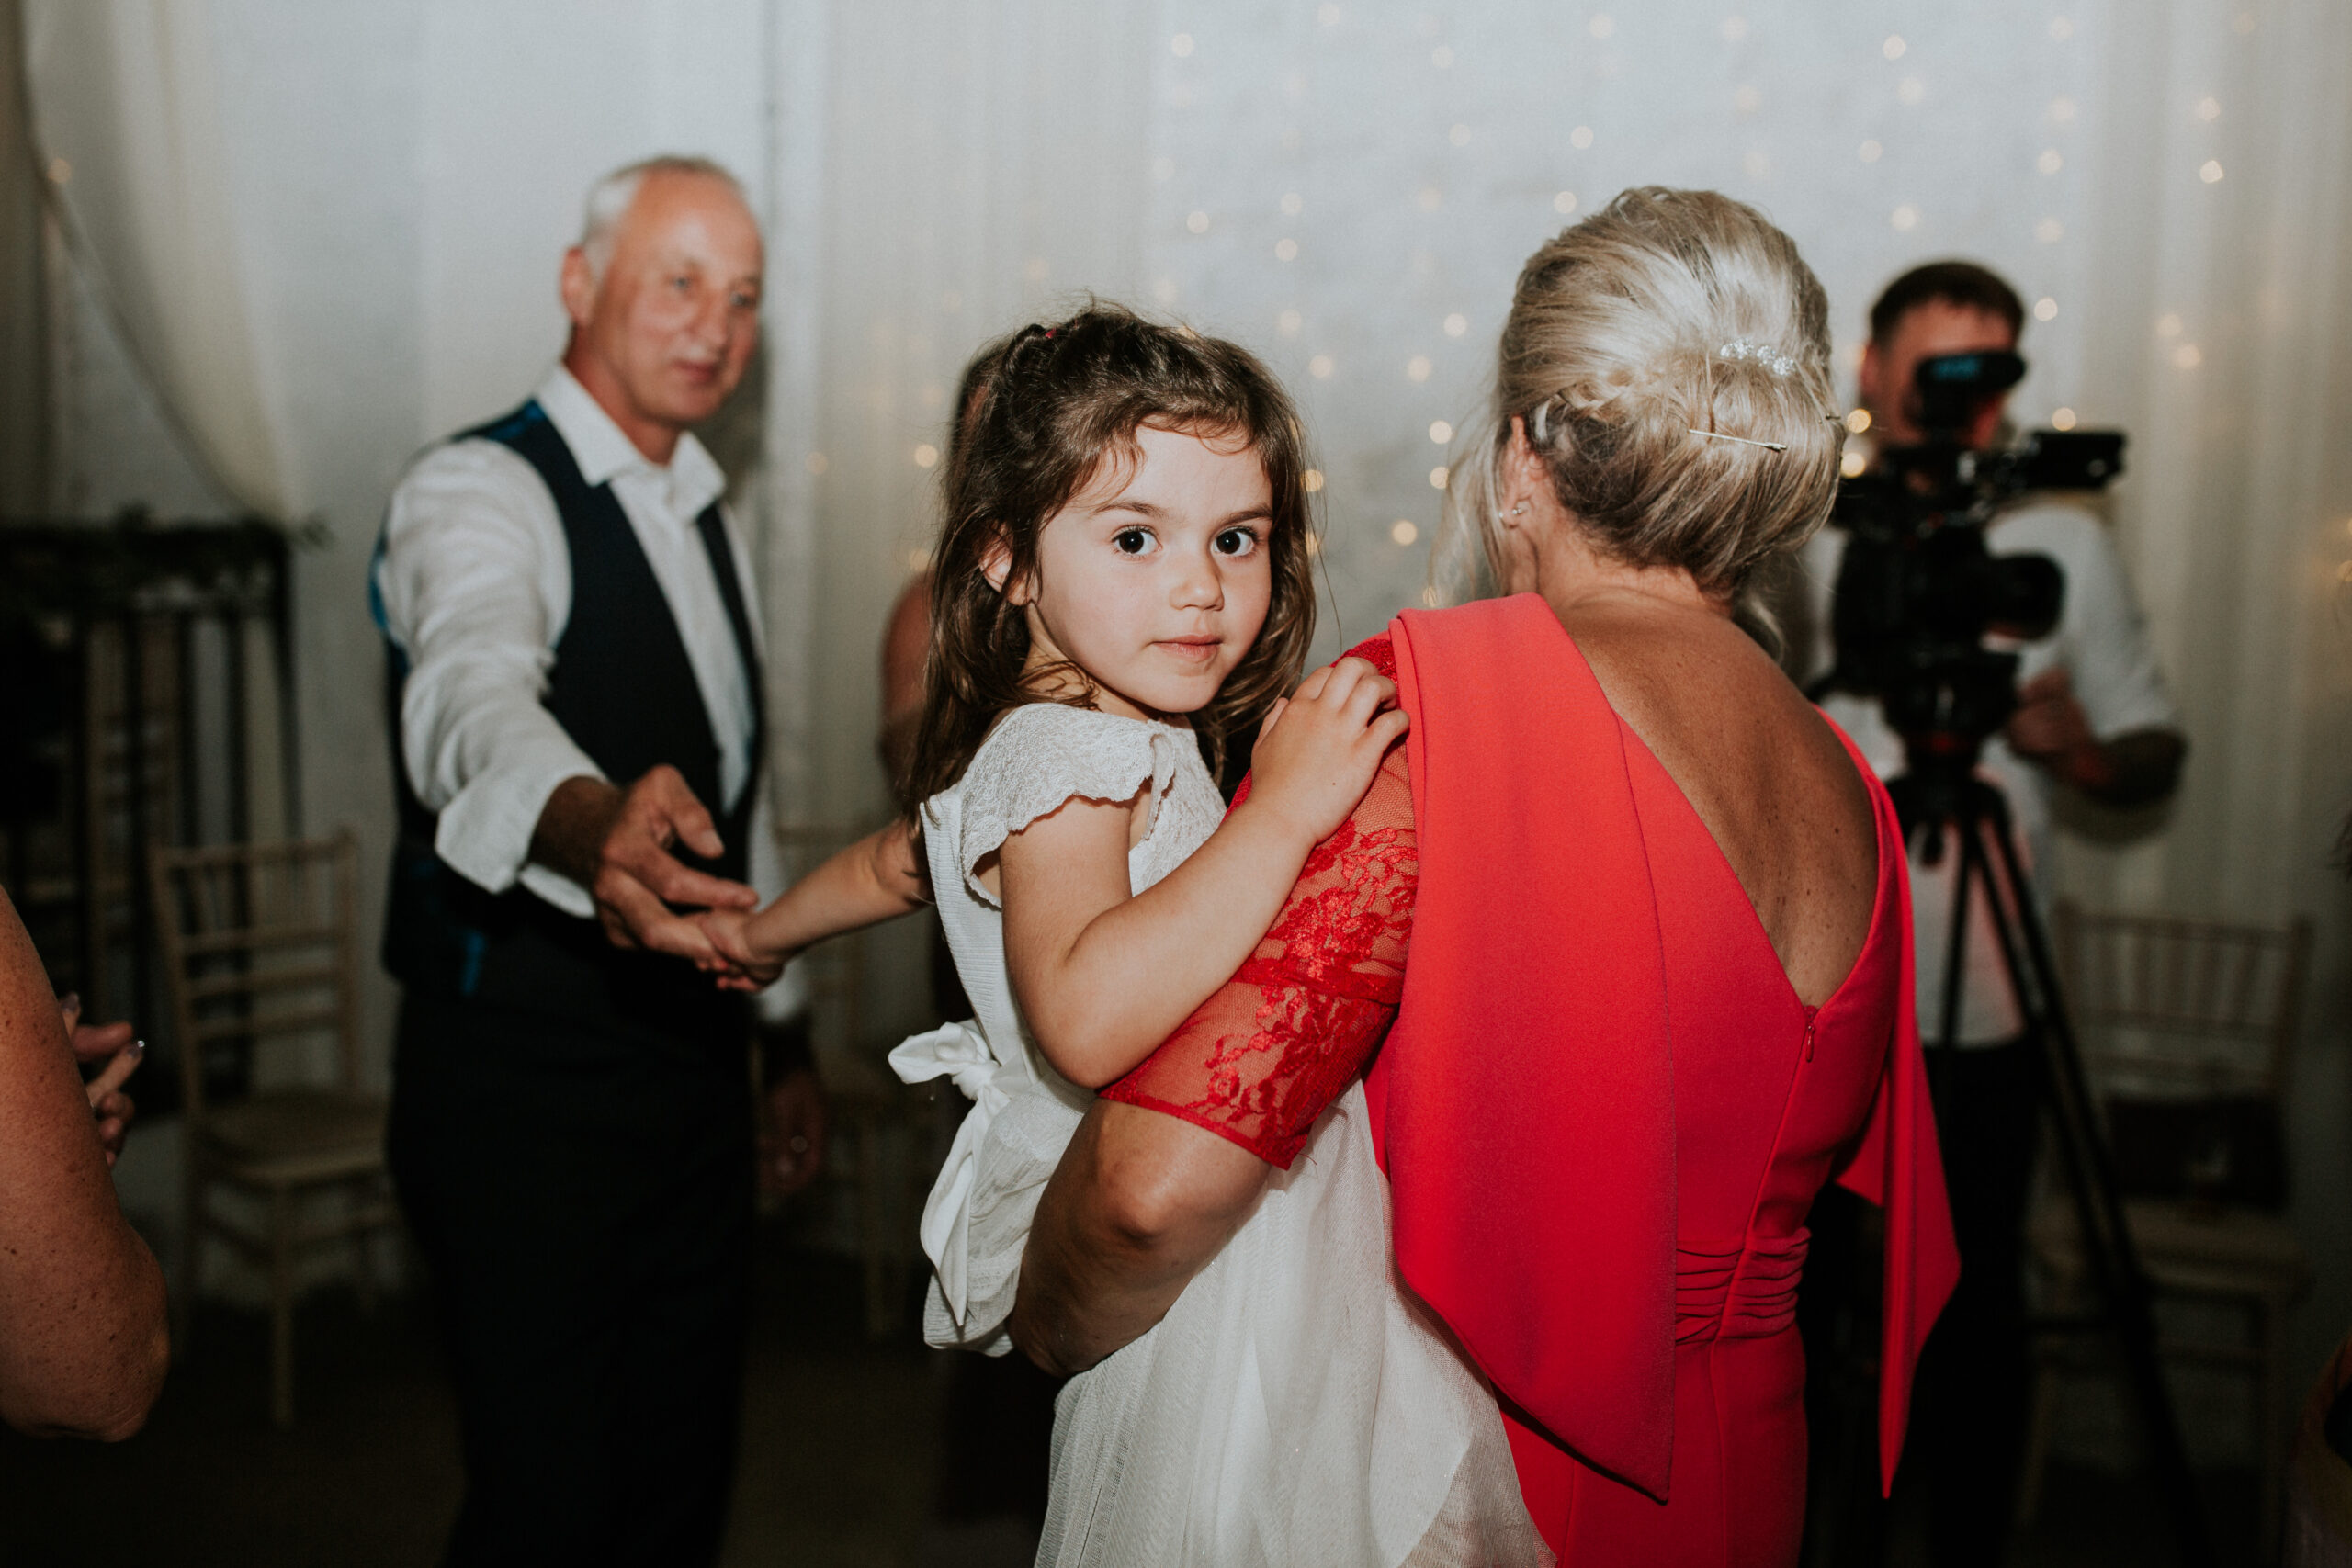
pixel 1529 1082
pixel 1524 1101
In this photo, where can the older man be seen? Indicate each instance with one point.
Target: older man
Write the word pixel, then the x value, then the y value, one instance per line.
pixel 575 690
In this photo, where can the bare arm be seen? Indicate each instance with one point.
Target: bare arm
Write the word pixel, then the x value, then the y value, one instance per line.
pixel 1103 976
pixel 873 880
pixel 906 640
pixel 82 1345
pixel 1139 1204
pixel 2139 767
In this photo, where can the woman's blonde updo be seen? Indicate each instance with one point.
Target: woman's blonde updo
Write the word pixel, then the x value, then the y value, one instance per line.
pixel 1665 312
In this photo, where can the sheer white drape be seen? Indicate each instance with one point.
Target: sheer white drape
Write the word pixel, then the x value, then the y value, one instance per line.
pixel 2220 334
pixel 1348 188
pixel 975 162
pixel 126 111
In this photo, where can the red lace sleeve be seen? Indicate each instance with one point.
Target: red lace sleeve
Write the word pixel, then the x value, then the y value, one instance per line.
pixel 1273 1046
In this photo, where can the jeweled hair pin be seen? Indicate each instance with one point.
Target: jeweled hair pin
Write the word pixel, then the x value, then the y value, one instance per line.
pixel 1763 356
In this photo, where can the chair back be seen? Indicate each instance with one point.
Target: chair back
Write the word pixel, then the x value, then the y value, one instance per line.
pixel 2183 1008
pixel 260 941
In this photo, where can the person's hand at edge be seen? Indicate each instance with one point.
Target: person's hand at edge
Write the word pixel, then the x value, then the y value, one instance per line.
pixel 113 1044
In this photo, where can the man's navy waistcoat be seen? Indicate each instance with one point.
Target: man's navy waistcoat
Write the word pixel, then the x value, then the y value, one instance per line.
pixel 625 691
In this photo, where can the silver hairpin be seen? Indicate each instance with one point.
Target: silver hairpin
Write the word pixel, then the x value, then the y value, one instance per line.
pixel 1743 440
pixel 1761 354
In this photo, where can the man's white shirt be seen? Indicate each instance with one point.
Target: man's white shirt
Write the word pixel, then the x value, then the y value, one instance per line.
pixel 475 584
pixel 2102 644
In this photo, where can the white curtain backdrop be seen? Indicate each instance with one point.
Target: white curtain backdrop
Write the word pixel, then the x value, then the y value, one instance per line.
pixel 127 114
pixel 1345 185
pixel 2220 334
pixel 973 163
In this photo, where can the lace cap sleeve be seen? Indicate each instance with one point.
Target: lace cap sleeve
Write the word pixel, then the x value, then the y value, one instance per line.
pixel 1044 754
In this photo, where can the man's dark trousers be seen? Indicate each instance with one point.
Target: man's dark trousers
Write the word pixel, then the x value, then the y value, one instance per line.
pixel 584 1200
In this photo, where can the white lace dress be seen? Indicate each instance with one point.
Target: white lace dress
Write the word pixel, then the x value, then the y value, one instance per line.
pixel 1294 1407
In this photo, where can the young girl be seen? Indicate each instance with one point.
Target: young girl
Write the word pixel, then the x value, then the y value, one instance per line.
pixel 1125 546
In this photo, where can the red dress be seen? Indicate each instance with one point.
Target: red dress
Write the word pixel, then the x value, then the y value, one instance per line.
pixel 1603 1111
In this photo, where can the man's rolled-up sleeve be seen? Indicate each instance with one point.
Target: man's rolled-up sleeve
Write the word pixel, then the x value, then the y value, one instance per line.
pixel 472 581
pixel 2113 662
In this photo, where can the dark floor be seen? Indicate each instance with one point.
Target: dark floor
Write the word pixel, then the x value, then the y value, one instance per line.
pixel 842 1446
pixel 839 1439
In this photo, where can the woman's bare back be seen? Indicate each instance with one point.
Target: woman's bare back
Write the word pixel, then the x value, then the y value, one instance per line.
pixel 1765 774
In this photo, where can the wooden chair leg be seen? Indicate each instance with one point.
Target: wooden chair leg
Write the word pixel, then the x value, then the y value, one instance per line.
pixel 363 1250
pixel 869 1224
pixel 2037 1443
pixel 281 1308
pixel 2272 1402
pixel 191 1258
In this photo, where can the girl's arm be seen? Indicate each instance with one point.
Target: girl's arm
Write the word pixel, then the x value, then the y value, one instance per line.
pixel 1104 977
pixel 873 880
pixel 1170 1160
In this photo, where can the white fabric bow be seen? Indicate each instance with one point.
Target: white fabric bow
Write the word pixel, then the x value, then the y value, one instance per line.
pixel 959 1051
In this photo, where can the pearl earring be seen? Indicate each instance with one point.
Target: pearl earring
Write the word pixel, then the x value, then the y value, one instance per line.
pixel 1517 510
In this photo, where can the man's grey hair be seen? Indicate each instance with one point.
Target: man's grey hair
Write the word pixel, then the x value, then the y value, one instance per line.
pixel 609 200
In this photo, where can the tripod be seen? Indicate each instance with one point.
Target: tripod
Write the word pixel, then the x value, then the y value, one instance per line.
pixel 1947 794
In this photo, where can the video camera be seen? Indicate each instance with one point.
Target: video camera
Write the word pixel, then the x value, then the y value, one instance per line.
pixel 1919 590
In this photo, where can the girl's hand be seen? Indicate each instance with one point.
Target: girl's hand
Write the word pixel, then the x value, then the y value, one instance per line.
pixel 739 966
pixel 1319 748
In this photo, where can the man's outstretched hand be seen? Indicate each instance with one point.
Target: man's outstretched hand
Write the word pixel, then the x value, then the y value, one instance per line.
pixel 616 844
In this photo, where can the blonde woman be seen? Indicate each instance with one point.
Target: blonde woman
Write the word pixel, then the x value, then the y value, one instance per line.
pixel 1629 913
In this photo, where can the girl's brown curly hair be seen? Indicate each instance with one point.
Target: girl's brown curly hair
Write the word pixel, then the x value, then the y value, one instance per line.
pixel 1047 407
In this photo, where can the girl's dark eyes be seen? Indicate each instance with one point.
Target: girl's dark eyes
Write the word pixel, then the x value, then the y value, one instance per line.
pixel 1131 541
pixel 1236 541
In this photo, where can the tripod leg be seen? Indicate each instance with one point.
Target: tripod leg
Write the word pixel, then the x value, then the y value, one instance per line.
pixel 1955 944
pixel 2106 1236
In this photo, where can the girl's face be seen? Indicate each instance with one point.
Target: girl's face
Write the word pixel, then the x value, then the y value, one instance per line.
pixel 1154 579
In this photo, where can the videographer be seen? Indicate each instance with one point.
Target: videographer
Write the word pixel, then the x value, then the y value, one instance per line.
pixel 2092 715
